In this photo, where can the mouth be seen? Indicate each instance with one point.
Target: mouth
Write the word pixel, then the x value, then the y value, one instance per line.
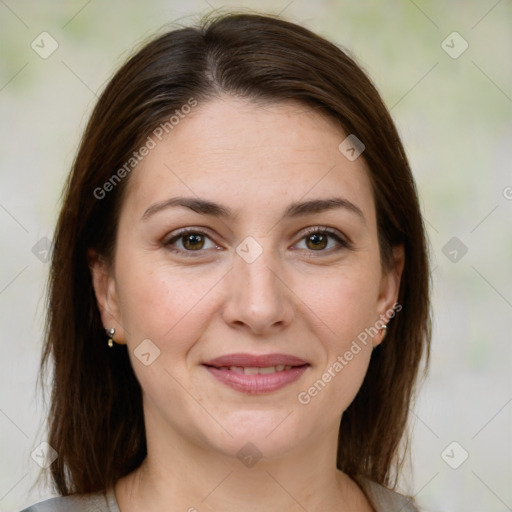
pixel 254 370
pixel 256 374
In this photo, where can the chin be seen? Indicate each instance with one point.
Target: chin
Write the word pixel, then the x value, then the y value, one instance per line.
pixel 270 432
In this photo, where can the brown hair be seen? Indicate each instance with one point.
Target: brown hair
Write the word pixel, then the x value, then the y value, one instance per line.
pixel 96 420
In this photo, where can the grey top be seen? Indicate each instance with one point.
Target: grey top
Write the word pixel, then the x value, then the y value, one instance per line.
pixel 381 498
pixel 97 502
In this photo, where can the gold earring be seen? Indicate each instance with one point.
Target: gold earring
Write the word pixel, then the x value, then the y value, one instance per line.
pixel 110 333
pixel 384 330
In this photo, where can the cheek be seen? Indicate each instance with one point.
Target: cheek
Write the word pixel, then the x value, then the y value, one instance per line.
pixel 161 302
pixel 170 307
pixel 346 307
pixel 345 301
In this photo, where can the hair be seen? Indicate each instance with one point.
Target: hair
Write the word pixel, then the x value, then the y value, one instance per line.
pixel 95 419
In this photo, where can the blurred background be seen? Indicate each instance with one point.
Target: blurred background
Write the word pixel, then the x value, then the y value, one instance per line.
pixel 444 70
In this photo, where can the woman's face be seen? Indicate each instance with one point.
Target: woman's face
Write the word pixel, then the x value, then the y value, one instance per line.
pixel 293 314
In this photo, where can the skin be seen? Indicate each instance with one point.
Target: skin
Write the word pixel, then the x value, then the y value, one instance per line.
pixel 295 298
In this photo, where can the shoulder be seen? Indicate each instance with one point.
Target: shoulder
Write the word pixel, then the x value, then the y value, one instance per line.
pixel 384 499
pixel 76 503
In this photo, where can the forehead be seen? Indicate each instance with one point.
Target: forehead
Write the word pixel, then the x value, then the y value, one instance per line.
pixel 250 154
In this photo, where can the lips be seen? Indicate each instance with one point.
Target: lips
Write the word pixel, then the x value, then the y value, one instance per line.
pixel 250 361
pixel 256 374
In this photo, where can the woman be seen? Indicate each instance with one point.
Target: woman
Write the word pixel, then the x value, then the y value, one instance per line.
pixel 239 296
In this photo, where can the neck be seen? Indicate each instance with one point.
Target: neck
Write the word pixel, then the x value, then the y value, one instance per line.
pixel 179 474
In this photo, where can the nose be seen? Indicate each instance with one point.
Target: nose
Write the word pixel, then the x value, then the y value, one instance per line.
pixel 258 297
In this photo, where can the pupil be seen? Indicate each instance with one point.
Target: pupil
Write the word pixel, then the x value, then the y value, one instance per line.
pixel 318 240
pixel 193 240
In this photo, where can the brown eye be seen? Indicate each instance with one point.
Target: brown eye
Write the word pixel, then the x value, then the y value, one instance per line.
pixel 323 240
pixel 316 241
pixel 190 241
pixel 193 241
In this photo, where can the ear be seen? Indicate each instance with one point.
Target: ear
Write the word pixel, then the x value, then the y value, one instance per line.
pixel 389 289
pixel 106 296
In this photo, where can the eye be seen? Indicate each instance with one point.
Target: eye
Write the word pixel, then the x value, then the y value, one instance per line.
pixel 317 239
pixel 189 241
pixel 320 239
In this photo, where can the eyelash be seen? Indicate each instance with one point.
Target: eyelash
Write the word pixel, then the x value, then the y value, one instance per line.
pixel 344 244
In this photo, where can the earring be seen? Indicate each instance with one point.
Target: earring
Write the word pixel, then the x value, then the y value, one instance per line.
pixel 384 330
pixel 110 333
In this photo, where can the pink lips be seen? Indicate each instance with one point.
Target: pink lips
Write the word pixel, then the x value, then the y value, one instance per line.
pixel 256 374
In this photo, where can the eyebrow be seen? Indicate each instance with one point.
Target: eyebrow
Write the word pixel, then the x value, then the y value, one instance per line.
pixel 297 209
